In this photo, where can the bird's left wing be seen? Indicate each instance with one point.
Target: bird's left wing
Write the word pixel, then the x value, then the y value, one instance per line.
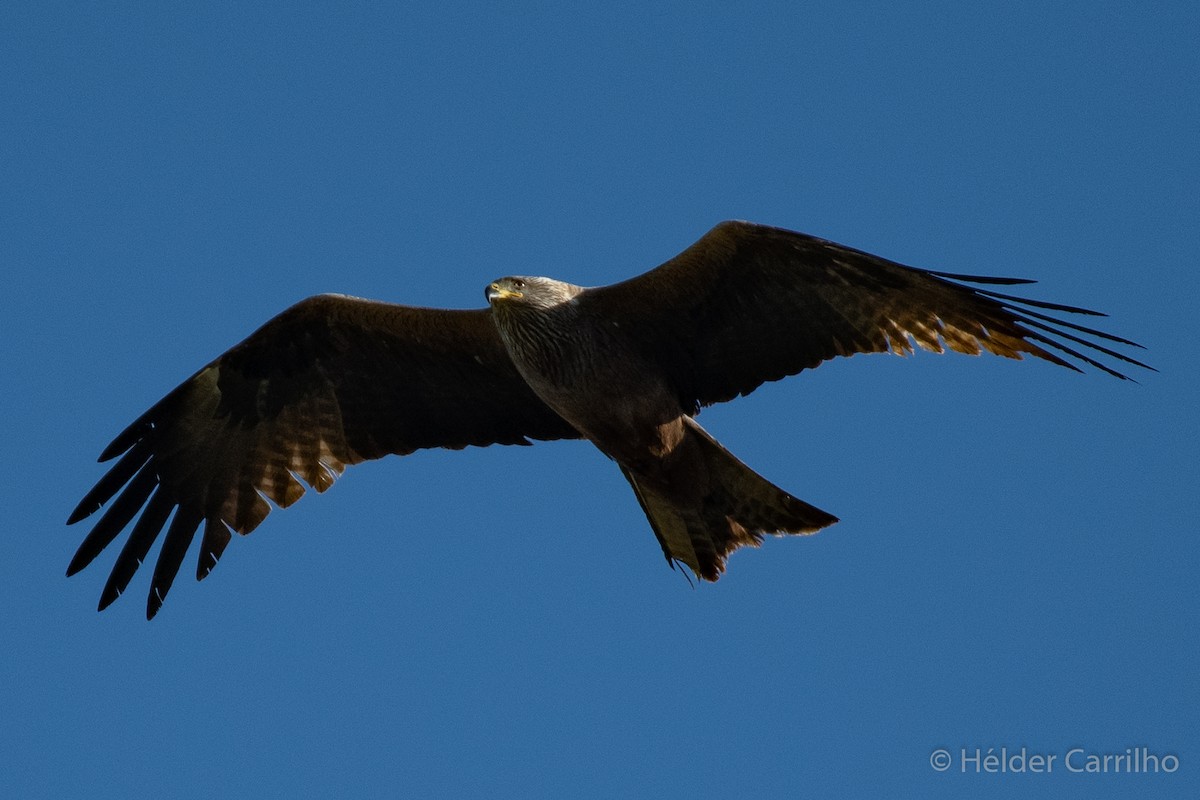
pixel 749 303
pixel 330 382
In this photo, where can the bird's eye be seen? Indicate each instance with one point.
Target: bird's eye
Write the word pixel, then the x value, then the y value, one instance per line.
pixel 518 284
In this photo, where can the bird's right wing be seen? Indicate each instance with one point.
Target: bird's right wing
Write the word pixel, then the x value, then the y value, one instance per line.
pixel 330 382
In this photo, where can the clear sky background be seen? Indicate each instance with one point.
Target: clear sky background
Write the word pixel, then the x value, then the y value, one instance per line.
pixel 1017 561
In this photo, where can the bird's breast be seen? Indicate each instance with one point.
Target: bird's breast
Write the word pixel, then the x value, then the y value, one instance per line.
pixel 601 385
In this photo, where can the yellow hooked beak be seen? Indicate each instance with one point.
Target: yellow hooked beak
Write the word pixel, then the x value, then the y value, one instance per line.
pixel 500 290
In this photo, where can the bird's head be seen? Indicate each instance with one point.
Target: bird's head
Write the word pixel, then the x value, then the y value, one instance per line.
pixel 531 292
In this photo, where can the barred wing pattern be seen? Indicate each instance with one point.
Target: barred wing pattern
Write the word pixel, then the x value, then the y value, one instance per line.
pixel 330 382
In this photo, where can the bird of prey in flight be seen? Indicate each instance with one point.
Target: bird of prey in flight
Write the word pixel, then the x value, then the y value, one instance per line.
pixel 335 380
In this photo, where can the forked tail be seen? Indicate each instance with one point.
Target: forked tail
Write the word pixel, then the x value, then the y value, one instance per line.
pixel 738 509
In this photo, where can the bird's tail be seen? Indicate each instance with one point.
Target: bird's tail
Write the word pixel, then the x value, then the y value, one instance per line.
pixel 738 508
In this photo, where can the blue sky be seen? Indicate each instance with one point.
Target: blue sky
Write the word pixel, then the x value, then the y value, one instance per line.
pixel 1016 565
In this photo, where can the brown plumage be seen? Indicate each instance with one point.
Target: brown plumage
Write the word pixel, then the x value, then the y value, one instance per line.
pixel 337 380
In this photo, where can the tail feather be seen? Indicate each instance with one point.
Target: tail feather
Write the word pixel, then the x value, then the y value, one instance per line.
pixel 739 508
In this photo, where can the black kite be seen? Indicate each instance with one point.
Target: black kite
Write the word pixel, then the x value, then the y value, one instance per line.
pixel 337 380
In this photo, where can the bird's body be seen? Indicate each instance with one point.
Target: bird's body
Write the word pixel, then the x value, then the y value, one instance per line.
pixel 334 381
pixel 701 501
pixel 565 354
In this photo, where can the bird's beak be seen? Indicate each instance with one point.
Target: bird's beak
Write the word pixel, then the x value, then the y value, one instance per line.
pixel 495 292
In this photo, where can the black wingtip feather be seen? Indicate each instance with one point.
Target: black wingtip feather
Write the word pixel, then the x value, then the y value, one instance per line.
pixel 112 482
pixel 126 439
pixel 144 532
pixel 1025 312
pixel 123 509
pixel 986 279
pixel 1062 348
pixel 1097 347
pixel 175 544
pixel 1041 304
pixel 1020 310
pixel 216 536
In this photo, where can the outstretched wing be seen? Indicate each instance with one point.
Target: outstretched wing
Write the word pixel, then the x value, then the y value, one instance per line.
pixel 748 304
pixel 330 382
